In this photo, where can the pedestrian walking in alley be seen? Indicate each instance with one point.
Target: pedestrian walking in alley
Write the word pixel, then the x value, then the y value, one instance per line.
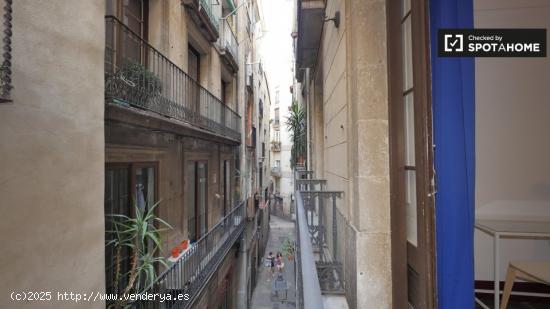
pixel 271 260
pixel 279 262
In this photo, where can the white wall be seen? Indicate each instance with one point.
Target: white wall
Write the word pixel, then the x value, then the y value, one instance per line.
pixel 512 135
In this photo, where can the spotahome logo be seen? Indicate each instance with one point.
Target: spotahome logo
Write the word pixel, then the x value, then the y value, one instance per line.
pixel 492 43
pixel 454 42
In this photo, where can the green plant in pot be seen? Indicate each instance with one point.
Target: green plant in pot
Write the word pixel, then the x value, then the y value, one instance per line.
pixel 297 126
pixel 288 249
pixel 134 84
pixel 140 236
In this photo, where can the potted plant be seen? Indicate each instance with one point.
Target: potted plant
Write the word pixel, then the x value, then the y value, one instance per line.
pixel 297 127
pixel 133 84
pixel 140 237
pixel 288 249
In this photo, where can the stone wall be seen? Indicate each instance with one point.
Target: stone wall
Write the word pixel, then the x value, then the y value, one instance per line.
pixel 348 104
pixel 52 150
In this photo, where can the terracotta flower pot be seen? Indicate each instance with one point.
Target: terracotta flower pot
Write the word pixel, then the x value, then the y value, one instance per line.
pixel 185 244
pixel 176 252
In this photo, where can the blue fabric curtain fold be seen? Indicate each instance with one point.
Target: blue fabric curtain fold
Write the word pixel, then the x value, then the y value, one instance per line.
pixel 453 99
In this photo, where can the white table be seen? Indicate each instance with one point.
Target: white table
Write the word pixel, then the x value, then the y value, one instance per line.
pixel 509 229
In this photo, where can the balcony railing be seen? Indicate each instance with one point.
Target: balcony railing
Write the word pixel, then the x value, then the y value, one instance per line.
pixel 195 267
pixel 208 7
pixel 320 225
pixel 308 290
pixel 275 146
pixel 276 171
pixel 138 75
pixel 229 41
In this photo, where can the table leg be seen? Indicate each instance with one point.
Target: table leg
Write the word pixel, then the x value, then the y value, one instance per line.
pixel 496 270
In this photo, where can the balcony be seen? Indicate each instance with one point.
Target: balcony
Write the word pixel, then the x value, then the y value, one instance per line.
pixel 276 123
pixel 276 171
pixel 320 265
pixel 205 15
pixel 192 271
pixel 276 146
pixel 141 81
pixel 310 15
pixel 229 46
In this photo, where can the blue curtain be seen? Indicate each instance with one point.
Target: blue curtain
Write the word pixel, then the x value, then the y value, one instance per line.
pixel 453 99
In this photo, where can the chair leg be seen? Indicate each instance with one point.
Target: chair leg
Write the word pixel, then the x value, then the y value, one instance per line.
pixel 510 277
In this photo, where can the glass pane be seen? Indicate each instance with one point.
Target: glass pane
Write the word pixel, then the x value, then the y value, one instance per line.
pixel 227 192
pixel 406 40
pixel 405 7
pixel 409 129
pixel 116 202
pixel 410 200
pixel 190 200
pixel 202 191
pixel 145 187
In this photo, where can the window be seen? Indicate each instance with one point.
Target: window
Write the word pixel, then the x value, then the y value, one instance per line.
pixel 224 92
pixel 196 182
pixel 193 58
pixel 277 116
pixel 276 136
pixel 408 106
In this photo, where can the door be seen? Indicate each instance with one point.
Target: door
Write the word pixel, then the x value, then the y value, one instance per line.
pixel 226 187
pixel 192 87
pixel 196 182
pixel 133 14
pixel 411 159
pixel 127 185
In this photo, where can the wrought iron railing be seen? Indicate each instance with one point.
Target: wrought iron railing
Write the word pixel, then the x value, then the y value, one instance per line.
pixel 208 7
pixel 326 228
pixel 308 290
pixel 229 40
pixel 276 145
pixel 276 171
pixel 187 277
pixel 138 75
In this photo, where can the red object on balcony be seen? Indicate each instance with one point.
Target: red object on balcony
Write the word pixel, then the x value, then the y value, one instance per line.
pixel 176 252
pixel 184 244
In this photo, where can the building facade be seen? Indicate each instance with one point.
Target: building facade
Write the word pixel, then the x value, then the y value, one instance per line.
pixel 163 131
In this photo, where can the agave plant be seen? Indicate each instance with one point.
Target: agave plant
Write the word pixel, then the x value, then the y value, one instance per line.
pixel 142 237
pixel 297 126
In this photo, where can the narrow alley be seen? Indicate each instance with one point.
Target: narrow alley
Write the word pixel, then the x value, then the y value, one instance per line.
pixel 265 295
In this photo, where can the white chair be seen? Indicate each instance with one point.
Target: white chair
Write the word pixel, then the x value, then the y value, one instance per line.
pixel 535 271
